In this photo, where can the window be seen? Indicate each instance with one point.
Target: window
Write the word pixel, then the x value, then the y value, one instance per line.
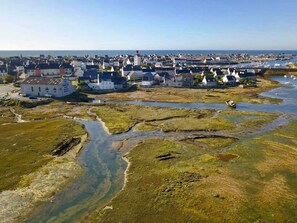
pixel 32 89
pixel 46 89
pixel 55 90
pixel 39 89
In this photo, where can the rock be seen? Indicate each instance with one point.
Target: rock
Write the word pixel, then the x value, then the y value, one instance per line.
pixel 64 147
pixel 216 195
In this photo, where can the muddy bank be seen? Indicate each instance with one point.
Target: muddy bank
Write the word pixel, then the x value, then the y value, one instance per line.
pixel 40 185
pixel 64 147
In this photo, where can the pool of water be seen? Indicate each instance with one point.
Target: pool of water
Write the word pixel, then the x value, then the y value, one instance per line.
pixel 104 169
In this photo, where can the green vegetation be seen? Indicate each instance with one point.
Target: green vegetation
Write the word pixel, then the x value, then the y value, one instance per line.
pixel 26 147
pixel 278 72
pixel 120 118
pixel 210 180
pixel 245 120
pixel 8 79
pixel 6 116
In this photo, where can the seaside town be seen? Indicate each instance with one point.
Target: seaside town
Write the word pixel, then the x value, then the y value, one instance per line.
pixel 148 111
pixel 49 76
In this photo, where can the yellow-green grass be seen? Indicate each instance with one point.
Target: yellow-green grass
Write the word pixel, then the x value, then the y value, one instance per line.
pixel 258 183
pixel 26 147
pixel 170 94
pixel 6 116
pixel 239 121
pixel 280 72
pixel 120 118
pixel 246 120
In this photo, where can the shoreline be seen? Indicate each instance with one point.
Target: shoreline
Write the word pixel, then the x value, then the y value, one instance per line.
pixel 16 205
pixel 127 170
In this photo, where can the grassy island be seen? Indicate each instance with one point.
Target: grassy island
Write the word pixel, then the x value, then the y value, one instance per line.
pixel 252 179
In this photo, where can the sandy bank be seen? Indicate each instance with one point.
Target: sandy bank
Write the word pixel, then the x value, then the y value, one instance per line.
pixel 40 185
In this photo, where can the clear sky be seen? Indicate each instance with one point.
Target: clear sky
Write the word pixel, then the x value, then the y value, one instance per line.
pixel 148 24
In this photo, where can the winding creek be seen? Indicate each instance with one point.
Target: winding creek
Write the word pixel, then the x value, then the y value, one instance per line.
pixel 104 167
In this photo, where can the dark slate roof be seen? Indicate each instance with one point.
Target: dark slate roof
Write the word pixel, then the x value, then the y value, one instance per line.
pixel 183 71
pixel 128 68
pixel 148 75
pixel 30 67
pixel 89 67
pixel 108 75
pixel 66 66
pixel 145 70
pixel 196 69
pixel 246 74
pixel 119 80
pixel 92 74
pixel 164 74
pixel 219 72
pixel 231 78
pixel 45 66
pixel 42 80
pixel 137 68
pixel 165 68
pixel 83 79
pixel 210 79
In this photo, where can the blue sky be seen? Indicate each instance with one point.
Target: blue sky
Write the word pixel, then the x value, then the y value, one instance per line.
pixel 148 24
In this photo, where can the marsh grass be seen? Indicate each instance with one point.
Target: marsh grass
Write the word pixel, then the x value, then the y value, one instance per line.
pixel 254 180
pixel 25 147
pixel 120 118
pixel 6 116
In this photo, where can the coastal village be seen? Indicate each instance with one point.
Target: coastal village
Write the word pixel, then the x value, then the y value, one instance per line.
pixel 147 137
pixel 58 76
pixel 148 111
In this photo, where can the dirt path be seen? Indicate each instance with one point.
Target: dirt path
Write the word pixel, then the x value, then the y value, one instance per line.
pixel 18 117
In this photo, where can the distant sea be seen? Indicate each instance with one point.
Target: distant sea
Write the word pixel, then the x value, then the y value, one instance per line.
pixel 8 53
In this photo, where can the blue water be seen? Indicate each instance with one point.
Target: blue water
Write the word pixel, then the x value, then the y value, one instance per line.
pixel 6 53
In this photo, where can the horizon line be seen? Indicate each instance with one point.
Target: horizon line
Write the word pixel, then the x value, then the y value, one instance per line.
pixel 151 50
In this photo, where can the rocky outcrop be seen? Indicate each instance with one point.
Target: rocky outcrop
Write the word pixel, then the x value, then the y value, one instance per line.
pixel 65 146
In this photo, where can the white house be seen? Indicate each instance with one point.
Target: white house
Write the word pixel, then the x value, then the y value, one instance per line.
pixel 209 81
pixel 102 84
pixel 47 86
pixel 229 79
pixel 147 79
pixel 241 76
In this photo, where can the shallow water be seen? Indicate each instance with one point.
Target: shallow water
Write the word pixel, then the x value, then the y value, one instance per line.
pixel 102 178
pixel 104 168
pixel 288 93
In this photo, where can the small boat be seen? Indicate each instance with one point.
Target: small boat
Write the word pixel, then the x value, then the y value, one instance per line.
pixel 292 76
pixel 231 104
pixel 285 76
